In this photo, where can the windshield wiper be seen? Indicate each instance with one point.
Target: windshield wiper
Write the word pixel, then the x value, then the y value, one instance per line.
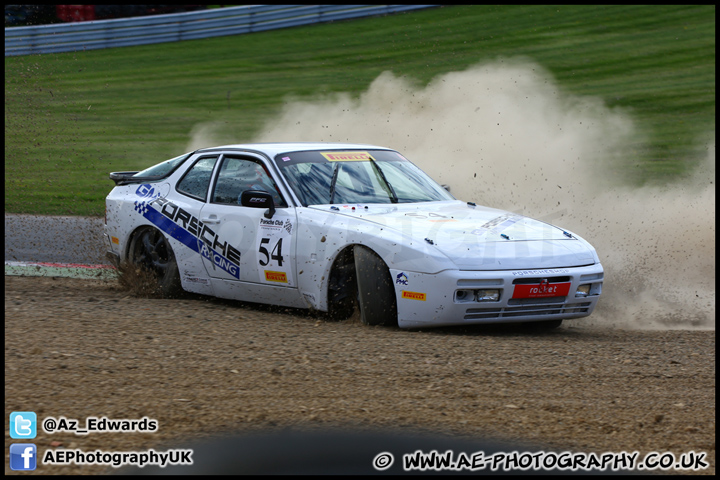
pixel 394 197
pixel 332 182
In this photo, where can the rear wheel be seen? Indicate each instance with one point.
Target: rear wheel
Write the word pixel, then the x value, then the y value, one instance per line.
pixel 151 251
pixel 376 295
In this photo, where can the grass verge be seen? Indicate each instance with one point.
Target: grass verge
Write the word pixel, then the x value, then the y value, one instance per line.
pixel 71 118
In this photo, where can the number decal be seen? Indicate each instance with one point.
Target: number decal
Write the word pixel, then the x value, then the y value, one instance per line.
pixel 275 250
pixel 419 215
pixel 275 255
pixel 278 256
pixel 264 251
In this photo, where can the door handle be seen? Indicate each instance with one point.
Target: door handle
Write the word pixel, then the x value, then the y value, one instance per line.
pixel 211 219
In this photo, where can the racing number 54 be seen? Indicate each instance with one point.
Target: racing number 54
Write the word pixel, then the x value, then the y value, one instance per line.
pixel 276 253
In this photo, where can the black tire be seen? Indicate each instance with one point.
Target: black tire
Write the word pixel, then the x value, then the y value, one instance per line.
pixel 376 294
pixel 342 289
pixel 150 250
pixel 544 325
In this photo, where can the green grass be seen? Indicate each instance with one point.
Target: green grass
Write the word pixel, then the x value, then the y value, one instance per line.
pixel 72 118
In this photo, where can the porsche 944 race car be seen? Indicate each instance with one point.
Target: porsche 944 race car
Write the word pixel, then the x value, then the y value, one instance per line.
pixel 334 227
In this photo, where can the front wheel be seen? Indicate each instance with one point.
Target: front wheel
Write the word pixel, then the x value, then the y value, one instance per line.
pixel 376 295
pixel 151 251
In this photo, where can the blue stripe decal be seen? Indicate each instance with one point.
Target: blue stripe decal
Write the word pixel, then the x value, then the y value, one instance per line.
pixel 186 238
pixel 171 228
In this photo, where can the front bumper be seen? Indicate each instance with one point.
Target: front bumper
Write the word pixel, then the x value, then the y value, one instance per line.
pixel 430 300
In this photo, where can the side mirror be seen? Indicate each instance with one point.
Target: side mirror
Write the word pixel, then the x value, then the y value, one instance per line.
pixel 258 199
pixel 446 187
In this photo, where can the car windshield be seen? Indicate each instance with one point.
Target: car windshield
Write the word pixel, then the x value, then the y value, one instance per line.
pixel 352 176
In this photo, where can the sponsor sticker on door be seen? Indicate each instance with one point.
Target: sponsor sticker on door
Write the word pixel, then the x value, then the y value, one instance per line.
pixel 280 277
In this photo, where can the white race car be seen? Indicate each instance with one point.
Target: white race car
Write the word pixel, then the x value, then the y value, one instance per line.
pixel 334 226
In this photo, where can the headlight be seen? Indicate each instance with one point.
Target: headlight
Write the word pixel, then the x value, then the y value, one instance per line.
pixel 488 295
pixel 467 296
pixel 583 290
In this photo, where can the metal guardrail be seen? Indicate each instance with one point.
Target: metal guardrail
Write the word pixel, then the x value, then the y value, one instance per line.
pixel 175 27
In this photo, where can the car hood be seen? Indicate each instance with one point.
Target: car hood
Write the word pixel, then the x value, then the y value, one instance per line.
pixel 476 237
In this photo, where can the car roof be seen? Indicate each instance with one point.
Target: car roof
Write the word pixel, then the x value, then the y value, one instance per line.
pixel 272 149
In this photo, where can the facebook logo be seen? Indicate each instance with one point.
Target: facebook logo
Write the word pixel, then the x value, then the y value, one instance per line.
pixel 23 425
pixel 23 456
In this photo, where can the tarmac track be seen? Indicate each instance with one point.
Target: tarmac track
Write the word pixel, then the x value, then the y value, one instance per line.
pixel 41 238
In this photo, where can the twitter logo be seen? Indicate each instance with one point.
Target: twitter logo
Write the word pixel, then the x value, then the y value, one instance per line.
pixel 23 425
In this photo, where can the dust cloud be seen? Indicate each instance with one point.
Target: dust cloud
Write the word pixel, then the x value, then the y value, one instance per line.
pixel 506 135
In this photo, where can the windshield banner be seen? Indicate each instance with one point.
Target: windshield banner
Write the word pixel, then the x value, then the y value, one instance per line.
pixel 347 156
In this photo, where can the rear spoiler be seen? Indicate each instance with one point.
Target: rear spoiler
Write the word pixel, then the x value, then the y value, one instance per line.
pixel 127 178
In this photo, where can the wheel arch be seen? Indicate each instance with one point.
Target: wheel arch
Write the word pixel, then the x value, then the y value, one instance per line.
pixel 342 262
pixel 131 236
pixel 341 268
pixel 349 275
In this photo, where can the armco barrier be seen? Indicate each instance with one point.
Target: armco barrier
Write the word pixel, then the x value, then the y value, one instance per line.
pixel 70 37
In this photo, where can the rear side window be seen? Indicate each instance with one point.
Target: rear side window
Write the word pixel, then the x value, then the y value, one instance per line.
pixel 162 170
pixel 196 181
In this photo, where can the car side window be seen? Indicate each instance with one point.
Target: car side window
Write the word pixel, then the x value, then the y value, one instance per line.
pixel 240 174
pixel 196 181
